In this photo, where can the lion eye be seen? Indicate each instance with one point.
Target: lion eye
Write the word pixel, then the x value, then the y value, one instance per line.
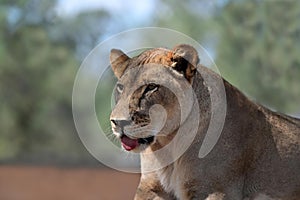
pixel 151 88
pixel 120 88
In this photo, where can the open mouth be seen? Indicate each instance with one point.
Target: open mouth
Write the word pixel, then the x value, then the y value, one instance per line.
pixel 130 144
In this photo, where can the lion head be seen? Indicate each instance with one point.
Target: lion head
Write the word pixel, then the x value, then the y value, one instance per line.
pixel 145 81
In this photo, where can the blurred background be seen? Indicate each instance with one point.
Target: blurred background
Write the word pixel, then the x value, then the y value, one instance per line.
pixel 255 44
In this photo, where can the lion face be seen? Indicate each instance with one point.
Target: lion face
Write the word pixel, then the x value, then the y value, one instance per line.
pixel 136 119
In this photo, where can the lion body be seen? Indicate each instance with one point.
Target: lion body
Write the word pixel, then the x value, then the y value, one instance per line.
pixel 257 155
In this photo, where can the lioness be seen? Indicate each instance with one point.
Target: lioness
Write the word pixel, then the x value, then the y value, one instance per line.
pixel 257 155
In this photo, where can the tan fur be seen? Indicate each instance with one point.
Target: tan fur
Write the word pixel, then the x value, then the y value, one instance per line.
pixel 256 157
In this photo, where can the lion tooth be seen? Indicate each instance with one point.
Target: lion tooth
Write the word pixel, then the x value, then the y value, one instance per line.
pixel 174 64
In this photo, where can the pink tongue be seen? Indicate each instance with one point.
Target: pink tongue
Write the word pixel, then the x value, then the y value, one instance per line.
pixel 129 143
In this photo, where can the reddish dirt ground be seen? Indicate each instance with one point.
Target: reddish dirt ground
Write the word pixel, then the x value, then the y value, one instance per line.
pixel 51 183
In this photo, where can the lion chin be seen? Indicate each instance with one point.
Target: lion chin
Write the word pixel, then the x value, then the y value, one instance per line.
pixel 257 155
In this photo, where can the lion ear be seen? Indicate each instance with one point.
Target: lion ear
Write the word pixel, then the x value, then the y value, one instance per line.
pixel 185 60
pixel 118 62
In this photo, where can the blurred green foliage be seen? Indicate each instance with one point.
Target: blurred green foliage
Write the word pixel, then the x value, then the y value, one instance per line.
pixel 256 45
pixel 39 64
pixel 259 50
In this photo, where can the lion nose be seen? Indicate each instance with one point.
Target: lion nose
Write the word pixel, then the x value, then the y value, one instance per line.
pixel 120 123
